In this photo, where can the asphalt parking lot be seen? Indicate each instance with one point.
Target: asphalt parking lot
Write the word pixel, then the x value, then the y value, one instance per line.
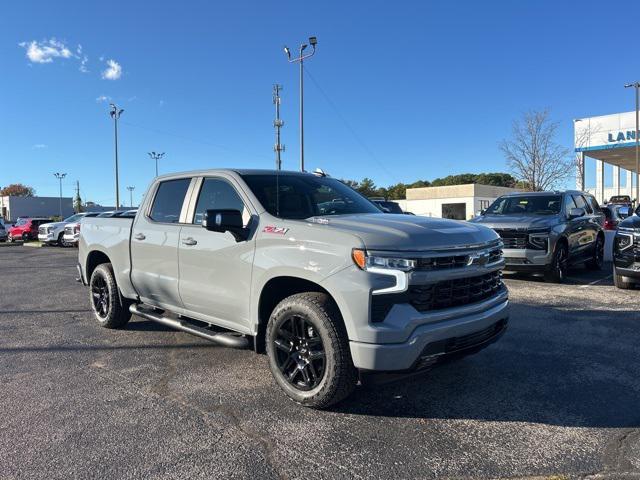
pixel 559 394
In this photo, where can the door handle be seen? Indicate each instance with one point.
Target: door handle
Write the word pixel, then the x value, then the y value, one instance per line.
pixel 139 236
pixel 189 241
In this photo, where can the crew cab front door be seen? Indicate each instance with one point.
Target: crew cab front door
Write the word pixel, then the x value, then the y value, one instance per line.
pixel 154 244
pixel 215 269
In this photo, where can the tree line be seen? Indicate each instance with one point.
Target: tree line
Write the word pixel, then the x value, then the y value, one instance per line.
pixel 368 188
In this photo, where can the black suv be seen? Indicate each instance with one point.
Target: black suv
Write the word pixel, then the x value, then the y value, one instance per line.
pixel 626 250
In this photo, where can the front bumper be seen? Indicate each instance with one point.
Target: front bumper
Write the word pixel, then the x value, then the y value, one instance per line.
pixel 430 341
pixel 71 239
pixel 47 238
pixel 526 259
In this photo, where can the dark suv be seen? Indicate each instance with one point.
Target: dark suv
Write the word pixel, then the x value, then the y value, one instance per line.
pixel 548 231
pixel 626 251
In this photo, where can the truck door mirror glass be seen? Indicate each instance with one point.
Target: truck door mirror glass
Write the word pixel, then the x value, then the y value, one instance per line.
pixel 576 213
pixel 624 212
pixel 225 221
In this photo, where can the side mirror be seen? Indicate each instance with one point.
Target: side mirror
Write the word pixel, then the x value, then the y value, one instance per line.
pixel 225 221
pixel 576 213
pixel 624 212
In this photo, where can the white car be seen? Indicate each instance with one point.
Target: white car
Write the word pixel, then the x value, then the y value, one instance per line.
pixel 53 233
pixel 72 230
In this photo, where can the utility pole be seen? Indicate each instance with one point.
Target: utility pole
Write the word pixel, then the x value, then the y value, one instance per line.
pixel 636 86
pixel 313 41
pixel 131 189
pixel 115 114
pixel 77 207
pixel 277 124
pixel 60 176
pixel 156 156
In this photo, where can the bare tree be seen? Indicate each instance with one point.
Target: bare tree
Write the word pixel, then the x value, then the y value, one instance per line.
pixel 533 155
pixel 583 139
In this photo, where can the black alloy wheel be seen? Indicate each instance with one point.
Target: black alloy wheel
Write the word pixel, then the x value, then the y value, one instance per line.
pixel 597 261
pixel 100 297
pixel 300 354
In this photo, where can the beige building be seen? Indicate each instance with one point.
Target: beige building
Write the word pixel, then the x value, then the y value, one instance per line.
pixel 459 202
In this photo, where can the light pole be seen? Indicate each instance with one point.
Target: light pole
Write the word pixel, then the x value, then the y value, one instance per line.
pixel 60 176
pixel 300 59
pixel 115 114
pixel 131 189
pixel 156 156
pixel 636 86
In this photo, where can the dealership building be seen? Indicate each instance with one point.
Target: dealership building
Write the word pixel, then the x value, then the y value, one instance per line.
pixel 458 202
pixel 12 207
pixel 610 140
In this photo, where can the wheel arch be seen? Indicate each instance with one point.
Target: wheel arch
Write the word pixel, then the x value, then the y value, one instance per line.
pixel 95 258
pixel 273 292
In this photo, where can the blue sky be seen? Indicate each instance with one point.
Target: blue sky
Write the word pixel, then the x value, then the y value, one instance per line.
pixel 408 90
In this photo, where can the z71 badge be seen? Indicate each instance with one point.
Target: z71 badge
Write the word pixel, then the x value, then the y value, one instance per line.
pixel 275 230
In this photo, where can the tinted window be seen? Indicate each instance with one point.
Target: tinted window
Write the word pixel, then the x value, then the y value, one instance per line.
pixel 593 203
pixel 219 195
pixel 568 203
pixel 580 203
pixel 526 205
pixel 304 196
pixel 168 201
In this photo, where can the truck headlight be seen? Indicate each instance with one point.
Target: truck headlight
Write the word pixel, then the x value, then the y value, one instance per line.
pixel 366 261
pixel 539 237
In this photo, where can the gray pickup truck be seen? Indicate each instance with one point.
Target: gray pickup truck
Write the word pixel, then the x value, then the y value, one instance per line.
pixel 302 267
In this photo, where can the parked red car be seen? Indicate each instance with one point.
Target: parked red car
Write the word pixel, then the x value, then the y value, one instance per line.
pixel 26 228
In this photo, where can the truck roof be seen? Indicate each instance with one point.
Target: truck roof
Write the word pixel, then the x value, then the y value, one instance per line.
pixel 239 171
pixel 551 192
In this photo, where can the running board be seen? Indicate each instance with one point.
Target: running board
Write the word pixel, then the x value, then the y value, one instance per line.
pixel 225 339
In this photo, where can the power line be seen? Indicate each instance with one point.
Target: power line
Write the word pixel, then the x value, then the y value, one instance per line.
pixel 350 128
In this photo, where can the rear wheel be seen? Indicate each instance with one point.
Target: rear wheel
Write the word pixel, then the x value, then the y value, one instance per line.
pixel 620 281
pixel 557 271
pixel 105 299
pixel 308 350
pixel 597 260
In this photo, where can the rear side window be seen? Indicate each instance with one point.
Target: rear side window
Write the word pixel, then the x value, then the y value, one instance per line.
pixel 168 201
pixel 219 195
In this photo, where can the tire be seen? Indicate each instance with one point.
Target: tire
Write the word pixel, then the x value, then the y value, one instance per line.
pixel 557 271
pixel 61 240
pixel 25 237
pixel 620 282
pixel 306 334
pixel 105 299
pixel 597 261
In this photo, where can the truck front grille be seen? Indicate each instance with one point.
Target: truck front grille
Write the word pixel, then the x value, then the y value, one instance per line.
pixel 454 293
pixel 456 261
pixel 42 230
pixel 440 295
pixel 513 237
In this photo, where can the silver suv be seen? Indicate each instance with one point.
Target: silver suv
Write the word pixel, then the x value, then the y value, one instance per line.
pixel 548 231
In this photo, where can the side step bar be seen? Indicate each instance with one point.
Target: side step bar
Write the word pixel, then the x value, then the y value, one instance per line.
pixel 225 339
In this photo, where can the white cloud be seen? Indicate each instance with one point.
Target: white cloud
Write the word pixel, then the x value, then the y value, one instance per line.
pixel 84 59
pixel 103 98
pixel 113 71
pixel 46 50
pixel 39 146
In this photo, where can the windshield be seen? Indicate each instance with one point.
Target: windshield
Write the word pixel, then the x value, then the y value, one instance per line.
pixel 74 218
pixel 304 196
pixel 526 205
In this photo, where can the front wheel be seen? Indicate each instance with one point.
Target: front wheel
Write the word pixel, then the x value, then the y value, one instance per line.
pixel 105 300
pixel 308 350
pixel 61 240
pixel 557 271
pixel 597 260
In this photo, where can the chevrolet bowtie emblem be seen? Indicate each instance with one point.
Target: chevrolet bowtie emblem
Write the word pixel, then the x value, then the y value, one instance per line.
pixel 480 258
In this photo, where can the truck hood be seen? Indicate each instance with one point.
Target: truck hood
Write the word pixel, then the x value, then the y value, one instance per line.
pixel 630 222
pixel 517 221
pixel 383 231
pixel 54 224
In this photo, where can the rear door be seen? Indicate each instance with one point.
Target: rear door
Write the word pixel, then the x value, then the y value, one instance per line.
pixel 154 244
pixel 585 227
pixel 215 269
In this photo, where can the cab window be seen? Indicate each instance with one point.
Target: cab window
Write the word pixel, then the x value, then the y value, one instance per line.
pixel 568 204
pixel 218 194
pixel 580 203
pixel 593 203
pixel 168 201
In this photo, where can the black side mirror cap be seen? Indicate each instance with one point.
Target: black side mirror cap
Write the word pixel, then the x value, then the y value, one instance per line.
pixel 225 221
